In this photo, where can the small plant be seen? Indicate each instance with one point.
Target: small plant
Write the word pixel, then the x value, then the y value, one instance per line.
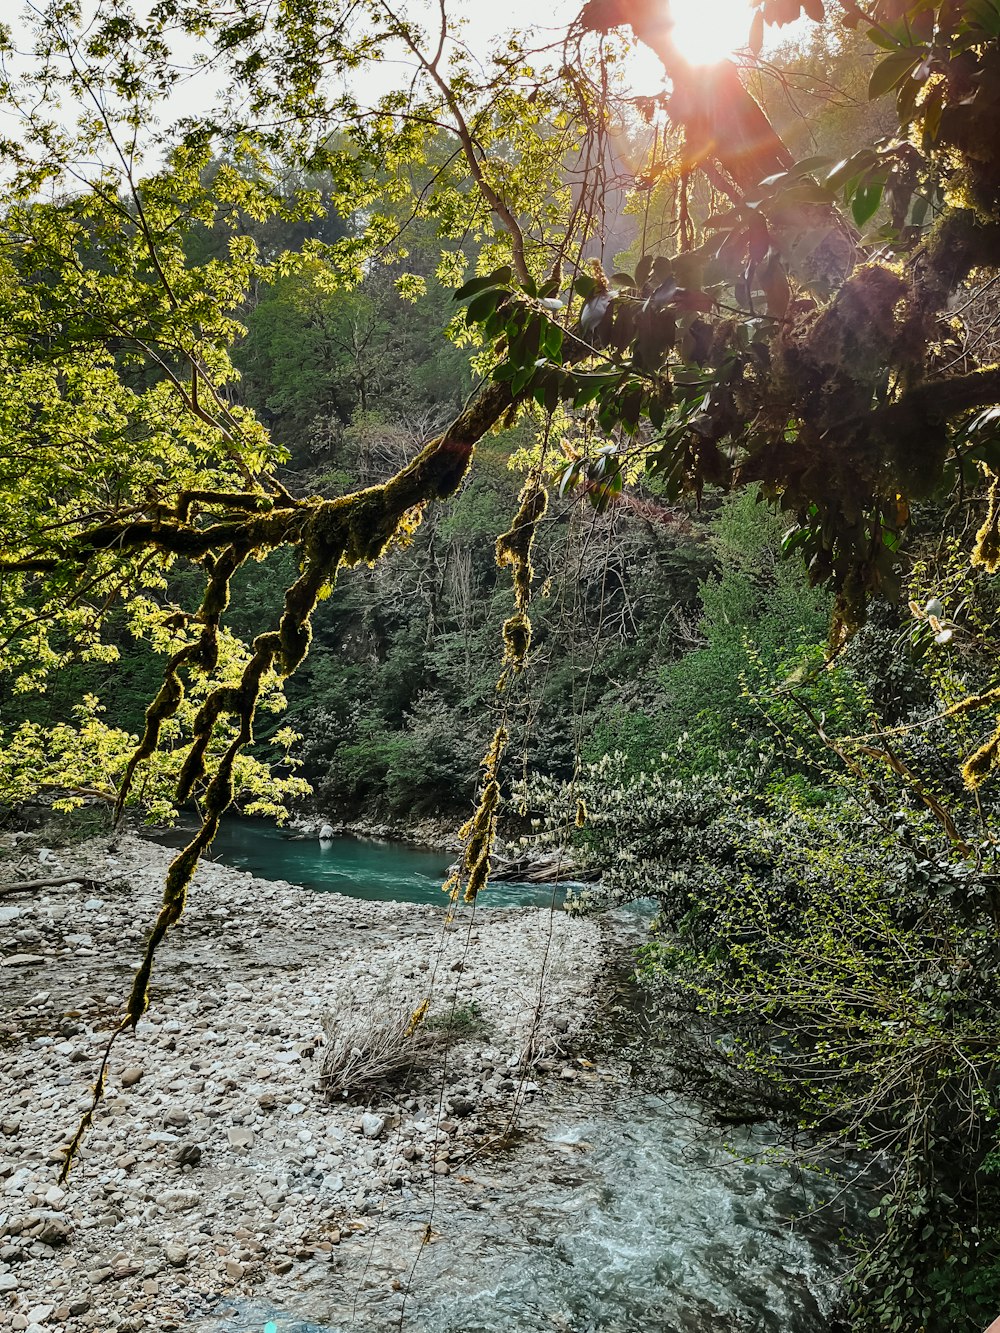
pixel 374 1040
pixel 458 1023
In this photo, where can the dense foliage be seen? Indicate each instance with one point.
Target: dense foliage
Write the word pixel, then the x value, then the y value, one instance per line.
pixel 825 947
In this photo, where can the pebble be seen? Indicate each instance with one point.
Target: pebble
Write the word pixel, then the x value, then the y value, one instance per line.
pixel 372 1126
pixel 131 1076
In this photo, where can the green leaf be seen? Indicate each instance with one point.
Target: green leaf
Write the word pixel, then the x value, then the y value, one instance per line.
pixel 878 37
pixel 484 304
pixel 584 285
pixel 809 165
pixel 891 71
pixel 552 340
pixel 850 167
pixel 631 408
pixel 591 386
pixel 906 100
pixel 865 203
pixel 643 270
pixel 500 277
pixel 524 376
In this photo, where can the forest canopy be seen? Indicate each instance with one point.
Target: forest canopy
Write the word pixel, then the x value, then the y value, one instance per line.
pixel 791 330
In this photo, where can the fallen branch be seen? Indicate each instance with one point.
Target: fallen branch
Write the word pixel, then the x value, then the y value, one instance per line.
pixel 26 885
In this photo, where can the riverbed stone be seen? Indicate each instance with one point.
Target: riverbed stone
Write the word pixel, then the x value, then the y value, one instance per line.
pixel 372 1125
pixel 177 1253
pixel 51 1230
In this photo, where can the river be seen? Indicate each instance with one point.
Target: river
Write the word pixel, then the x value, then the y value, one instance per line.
pixel 625 1216
pixel 357 867
pixel 619 1212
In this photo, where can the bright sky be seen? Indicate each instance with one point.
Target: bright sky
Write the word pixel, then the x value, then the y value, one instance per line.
pixel 705 31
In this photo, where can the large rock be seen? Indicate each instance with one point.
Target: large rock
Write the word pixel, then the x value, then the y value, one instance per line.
pixel 52 1231
pixel 178 1201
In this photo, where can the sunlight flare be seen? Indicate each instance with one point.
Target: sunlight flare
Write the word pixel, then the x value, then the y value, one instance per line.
pixel 707 31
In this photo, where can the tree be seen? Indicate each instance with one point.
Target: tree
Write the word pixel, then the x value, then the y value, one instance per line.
pixel 116 475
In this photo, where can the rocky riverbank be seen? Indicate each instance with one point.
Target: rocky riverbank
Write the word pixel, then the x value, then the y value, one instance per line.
pixel 433 831
pixel 215 1166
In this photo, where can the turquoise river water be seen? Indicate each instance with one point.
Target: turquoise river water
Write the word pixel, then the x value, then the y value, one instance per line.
pixel 358 867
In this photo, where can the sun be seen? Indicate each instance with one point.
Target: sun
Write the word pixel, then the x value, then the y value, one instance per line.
pixel 707 31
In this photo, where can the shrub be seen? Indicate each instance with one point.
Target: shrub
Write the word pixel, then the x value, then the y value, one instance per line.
pixel 375 1039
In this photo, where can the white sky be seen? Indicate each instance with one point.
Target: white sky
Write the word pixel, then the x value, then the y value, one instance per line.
pixel 482 23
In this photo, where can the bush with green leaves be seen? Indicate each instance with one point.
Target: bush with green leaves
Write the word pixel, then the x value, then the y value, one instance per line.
pixel 836 969
pixel 825 951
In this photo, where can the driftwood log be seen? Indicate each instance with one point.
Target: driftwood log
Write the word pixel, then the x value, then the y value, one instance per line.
pixel 26 885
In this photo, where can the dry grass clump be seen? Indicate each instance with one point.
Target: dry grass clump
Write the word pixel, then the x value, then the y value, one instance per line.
pixel 374 1039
